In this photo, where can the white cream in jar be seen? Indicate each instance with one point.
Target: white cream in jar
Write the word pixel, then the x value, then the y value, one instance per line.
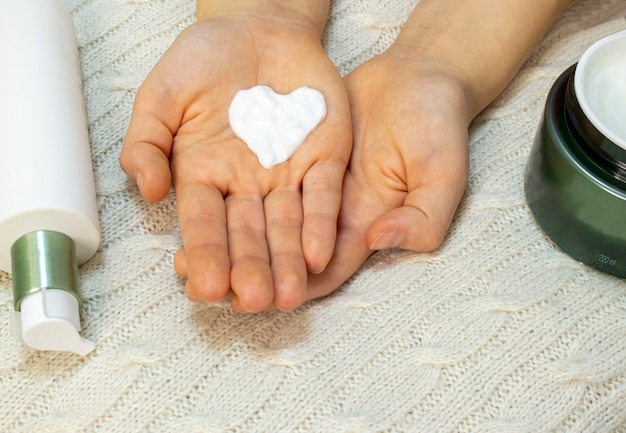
pixel 600 84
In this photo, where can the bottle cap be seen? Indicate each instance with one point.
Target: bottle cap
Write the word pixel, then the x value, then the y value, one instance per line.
pixel 45 293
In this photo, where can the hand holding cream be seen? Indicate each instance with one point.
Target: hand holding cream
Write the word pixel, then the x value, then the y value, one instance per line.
pixel 48 213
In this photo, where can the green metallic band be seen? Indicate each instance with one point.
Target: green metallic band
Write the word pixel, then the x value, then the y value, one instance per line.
pixel 43 260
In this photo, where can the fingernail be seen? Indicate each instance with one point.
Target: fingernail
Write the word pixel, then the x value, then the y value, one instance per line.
pixel 316 271
pixel 387 240
pixel 139 179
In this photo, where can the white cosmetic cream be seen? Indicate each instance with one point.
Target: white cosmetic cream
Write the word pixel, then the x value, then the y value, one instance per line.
pixel 274 126
pixel 600 83
pixel 48 213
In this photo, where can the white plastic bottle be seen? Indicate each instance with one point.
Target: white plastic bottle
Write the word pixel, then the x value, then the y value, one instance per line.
pixel 48 212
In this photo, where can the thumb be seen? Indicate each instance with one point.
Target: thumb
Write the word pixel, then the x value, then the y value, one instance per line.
pixel 421 223
pixel 147 146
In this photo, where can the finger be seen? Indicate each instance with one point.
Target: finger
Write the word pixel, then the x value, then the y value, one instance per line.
pixel 251 277
pixel 180 263
pixel 351 248
pixel 423 220
pixel 149 168
pixel 236 306
pixel 148 143
pixel 180 266
pixel 202 219
pixel 321 200
pixel 283 214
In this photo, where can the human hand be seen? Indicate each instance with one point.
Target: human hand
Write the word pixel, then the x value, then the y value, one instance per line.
pixel 409 164
pixel 411 109
pixel 243 227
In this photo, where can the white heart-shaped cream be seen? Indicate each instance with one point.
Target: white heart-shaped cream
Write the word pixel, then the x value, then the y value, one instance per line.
pixel 273 125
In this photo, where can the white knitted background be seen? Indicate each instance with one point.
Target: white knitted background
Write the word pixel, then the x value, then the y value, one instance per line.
pixel 497 331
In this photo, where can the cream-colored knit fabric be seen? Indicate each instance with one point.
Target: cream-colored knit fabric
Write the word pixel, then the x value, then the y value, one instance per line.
pixel 497 331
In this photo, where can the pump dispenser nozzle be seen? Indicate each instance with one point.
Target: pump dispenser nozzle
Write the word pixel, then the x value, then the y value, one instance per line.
pixel 45 293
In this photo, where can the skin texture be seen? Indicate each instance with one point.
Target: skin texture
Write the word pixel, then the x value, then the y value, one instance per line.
pixel 248 232
pixel 265 238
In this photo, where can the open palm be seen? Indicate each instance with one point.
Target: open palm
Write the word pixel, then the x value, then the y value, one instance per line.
pixel 246 230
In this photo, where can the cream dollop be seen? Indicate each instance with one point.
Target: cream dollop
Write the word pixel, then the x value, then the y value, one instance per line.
pixel 274 126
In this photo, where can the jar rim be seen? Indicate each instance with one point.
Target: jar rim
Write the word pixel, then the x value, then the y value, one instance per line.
pixel 600 55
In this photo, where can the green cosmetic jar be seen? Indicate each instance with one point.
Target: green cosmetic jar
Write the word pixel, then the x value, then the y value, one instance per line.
pixel 575 179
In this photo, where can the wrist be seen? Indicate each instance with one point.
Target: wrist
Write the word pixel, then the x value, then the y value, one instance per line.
pixel 482 43
pixel 439 75
pixel 307 14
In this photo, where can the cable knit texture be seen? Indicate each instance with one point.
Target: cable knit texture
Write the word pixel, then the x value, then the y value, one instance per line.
pixel 496 331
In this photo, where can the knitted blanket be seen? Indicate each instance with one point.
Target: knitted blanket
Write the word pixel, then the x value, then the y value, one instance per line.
pixel 496 331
